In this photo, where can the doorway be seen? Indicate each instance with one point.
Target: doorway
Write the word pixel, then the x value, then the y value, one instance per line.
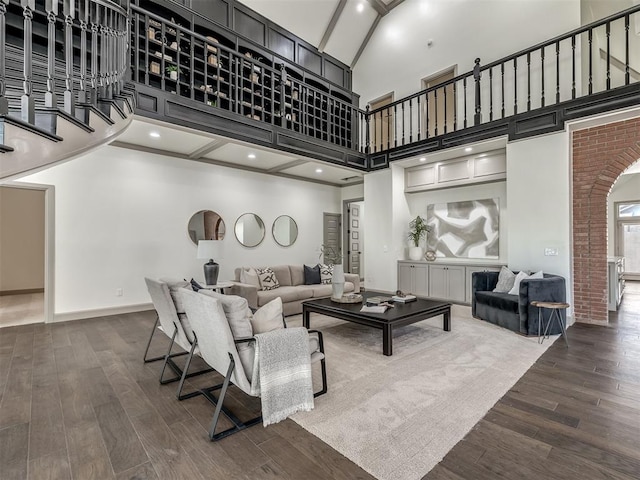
pixel 628 237
pixel 331 238
pixel 22 255
pixel 381 135
pixel 438 115
pixel 353 233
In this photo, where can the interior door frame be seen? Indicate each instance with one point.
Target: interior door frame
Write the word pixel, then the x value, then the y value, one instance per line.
pixel 345 226
pixel 619 224
pixel 49 242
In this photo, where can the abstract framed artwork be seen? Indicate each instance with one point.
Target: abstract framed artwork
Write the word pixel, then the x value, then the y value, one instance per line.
pixel 466 229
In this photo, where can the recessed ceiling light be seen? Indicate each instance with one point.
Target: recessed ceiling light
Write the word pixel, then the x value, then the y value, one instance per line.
pixel 318 170
pixel 154 134
pixel 423 159
pixel 468 149
pixel 251 156
pixel 360 7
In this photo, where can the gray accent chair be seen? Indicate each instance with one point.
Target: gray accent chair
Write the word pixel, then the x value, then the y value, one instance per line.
pixel 219 349
pixel 515 312
pixel 174 325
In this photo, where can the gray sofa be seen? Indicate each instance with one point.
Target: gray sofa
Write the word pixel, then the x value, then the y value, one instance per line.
pixel 292 289
pixel 515 312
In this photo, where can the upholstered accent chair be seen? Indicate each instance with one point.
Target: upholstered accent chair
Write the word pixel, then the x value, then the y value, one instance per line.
pixel 222 349
pixel 172 321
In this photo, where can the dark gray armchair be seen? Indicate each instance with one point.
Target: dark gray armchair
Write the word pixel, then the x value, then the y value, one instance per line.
pixel 515 312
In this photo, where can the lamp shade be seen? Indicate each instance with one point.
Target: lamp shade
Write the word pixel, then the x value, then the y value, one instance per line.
pixel 209 249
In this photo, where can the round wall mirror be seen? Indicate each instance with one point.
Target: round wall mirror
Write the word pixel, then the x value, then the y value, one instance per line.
pixel 206 225
pixel 249 229
pixel 284 230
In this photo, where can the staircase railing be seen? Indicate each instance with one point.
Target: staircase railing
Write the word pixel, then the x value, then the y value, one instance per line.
pixel 599 57
pixel 67 55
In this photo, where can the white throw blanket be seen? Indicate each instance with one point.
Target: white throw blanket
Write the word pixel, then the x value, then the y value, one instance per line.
pixel 282 373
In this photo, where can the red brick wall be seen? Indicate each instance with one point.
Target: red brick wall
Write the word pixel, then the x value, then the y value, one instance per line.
pixel 600 155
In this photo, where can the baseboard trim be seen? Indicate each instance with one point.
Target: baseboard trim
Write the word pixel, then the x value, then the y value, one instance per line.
pixel 4 293
pixel 101 312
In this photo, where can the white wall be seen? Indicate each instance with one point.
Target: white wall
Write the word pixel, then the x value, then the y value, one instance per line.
pixel 21 239
pixel 397 56
pixel 418 205
pixel 626 188
pixel 539 201
pixel 122 215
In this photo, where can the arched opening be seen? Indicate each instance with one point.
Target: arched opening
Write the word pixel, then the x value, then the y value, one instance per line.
pixel 600 155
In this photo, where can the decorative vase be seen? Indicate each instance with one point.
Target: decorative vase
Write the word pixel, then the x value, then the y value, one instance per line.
pixel 337 281
pixel 416 253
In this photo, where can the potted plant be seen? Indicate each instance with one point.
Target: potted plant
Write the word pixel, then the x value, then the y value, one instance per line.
pixel 418 230
pixel 172 70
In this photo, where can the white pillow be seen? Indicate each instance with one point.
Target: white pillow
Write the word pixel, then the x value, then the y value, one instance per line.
pixel 515 290
pixel 249 276
pixel 505 280
pixel 521 276
pixel 268 317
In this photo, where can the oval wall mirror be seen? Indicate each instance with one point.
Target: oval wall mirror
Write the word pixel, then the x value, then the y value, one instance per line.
pixel 284 230
pixel 206 225
pixel 249 229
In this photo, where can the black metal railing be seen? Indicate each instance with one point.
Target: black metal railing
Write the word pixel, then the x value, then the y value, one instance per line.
pixel 598 57
pixel 61 54
pixel 202 68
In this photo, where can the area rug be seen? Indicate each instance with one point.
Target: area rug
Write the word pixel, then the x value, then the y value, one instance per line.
pixel 398 416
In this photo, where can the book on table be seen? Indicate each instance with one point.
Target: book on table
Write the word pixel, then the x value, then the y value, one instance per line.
pixel 378 300
pixel 374 308
pixel 404 299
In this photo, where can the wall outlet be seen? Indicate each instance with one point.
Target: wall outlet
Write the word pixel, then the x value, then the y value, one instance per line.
pixel 551 252
pixel 118 292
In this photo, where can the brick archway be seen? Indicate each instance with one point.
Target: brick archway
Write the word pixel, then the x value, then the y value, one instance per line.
pixel 600 155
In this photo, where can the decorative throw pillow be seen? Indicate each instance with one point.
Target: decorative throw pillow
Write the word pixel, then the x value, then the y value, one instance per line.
pixel 326 273
pixel 505 280
pixel 268 317
pixel 267 277
pixel 312 275
pixel 516 284
pixel 174 285
pixel 249 276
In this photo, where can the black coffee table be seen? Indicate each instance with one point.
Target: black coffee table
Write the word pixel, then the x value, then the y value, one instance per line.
pixel 401 314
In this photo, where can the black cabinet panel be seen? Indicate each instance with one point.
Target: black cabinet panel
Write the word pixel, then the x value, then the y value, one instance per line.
pixel 334 73
pixel 249 27
pixel 216 10
pixel 309 60
pixel 282 45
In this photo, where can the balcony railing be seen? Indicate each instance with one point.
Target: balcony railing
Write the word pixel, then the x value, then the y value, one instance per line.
pixel 60 55
pixel 599 57
pixel 215 71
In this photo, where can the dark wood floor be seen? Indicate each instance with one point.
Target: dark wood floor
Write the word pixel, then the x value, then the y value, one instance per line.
pixel 77 402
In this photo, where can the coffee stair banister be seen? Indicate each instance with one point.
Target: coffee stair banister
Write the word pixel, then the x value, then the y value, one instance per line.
pixel 63 71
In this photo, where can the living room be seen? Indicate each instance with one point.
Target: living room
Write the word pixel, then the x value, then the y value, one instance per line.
pixel 117 214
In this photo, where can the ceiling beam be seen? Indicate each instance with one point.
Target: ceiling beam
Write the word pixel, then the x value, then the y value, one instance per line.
pixel 284 166
pixel 365 41
pixel 332 24
pixel 394 4
pixel 208 148
pixel 379 7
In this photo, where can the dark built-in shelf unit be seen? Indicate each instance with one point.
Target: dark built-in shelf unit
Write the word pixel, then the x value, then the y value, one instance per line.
pixel 221 70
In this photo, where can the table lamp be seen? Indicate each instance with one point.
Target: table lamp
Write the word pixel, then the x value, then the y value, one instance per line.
pixel 210 249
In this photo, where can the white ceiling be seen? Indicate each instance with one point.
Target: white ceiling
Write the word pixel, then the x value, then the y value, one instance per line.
pixel 194 145
pixel 340 28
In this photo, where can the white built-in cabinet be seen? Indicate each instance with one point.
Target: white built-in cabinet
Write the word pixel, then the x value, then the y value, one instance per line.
pixel 450 281
pixel 413 277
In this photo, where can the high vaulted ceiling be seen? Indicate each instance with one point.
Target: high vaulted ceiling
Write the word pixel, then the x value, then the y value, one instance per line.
pixel 340 28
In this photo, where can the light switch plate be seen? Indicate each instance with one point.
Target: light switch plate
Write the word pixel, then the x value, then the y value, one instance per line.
pixel 550 252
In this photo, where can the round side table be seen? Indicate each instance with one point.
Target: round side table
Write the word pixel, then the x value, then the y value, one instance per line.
pixel 555 308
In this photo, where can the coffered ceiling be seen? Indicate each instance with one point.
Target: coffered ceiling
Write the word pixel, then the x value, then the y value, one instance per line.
pixel 179 142
pixel 340 28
